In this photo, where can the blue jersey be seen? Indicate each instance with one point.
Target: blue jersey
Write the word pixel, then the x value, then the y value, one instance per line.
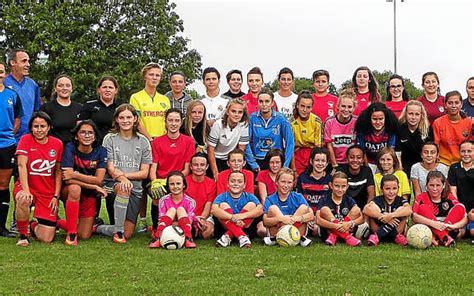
pixel 389 208
pixel 341 210
pixel 468 109
pixel 287 207
pixel 29 94
pixel 236 204
pixel 264 135
pixel 10 108
pixel 313 189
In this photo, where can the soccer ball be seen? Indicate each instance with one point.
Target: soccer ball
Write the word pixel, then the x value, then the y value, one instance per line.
pixel 172 238
pixel 362 231
pixel 288 236
pixel 419 236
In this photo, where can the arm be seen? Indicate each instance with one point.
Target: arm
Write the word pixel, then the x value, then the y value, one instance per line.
pixel 153 168
pixel 83 184
pixel 220 213
pixel 332 154
pixel 250 158
pixel 325 223
pixel 16 125
pixel 139 175
pixel 402 212
pixel 69 175
pixel 262 190
pixel 370 193
pixel 416 186
pixel 417 218
pixel 23 173
pixel 207 210
pixel 254 213
pixel 212 160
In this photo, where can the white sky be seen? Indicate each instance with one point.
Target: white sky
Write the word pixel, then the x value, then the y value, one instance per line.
pixel 337 35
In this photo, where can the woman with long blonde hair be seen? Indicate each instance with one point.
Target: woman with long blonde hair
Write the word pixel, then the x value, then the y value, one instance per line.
pixel 195 124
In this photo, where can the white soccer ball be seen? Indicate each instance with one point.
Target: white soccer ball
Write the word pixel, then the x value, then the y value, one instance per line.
pixel 288 236
pixel 172 238
pixel 419 236
pixel 362 231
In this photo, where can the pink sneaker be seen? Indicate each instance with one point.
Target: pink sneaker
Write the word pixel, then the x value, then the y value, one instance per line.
pixel 352 241
pixel 400 240
pixel 373 240
pixel 154 243
pixel 449 241
pixel 331 240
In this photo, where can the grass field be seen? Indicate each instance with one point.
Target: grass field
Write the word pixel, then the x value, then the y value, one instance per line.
pixel 98 266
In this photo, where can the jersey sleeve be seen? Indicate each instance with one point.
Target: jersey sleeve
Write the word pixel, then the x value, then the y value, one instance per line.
pixel 370 177
pixel 213 138
pixel 244 136
pixel 109 147
pixel 318 131
pixel 417 203
pixel 134 103
pixel 392 141
pixel 301 200
pixel 452 176
pixel 253 198
pixel 22 148
pixel 266 205
pixel 289 142
pixel 404 184
pixel 68 156
pixel 190 150
pixel 85 112
pixel 351 202
pixel 163 206
pixel 221 184
pixel 146 151
pixel 327 132
pixel 37 103
pixel 211 194
pixel 17 109
pixel 102 155
pixel 220 199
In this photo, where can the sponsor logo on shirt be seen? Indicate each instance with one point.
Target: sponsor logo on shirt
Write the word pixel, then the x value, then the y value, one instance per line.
pixel 42 167
pixel 52 153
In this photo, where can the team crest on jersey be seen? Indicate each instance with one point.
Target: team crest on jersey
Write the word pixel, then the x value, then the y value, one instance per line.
pixel 441 109
pixel 345 211
pixel 10 102
pixel 220 108
pixel 330 104
pixel 445 205
pixel 465 134
pixel 173 145
pixel 52 153
pixel 163 105
pixel 276 130
pixel 93 164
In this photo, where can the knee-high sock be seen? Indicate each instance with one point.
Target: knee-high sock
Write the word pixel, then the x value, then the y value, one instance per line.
pixel 98 205
pixel 62 224
pixel 72 215
pixel 109 204
pixel 120 209
pixel 341 234
pixel 455 214
pixel 386 230
pixel 164 222
pixel 154 215
pixel 4 206
pixel 247 221
pixel 108 230
pixel 22 227
pixel 233 229
pixel 185 225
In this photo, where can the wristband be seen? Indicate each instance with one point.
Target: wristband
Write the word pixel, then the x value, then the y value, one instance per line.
pixel 55 196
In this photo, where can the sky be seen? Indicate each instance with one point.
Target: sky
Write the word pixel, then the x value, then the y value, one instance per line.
pixel 337 35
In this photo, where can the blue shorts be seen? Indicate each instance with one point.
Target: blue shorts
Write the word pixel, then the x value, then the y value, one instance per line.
pixel 470 225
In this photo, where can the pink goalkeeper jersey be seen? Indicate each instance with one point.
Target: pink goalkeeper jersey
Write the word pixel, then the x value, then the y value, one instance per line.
pixel 187 203
pixel 341 135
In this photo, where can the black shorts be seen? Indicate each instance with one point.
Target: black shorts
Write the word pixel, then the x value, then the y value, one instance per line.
pixel 7 157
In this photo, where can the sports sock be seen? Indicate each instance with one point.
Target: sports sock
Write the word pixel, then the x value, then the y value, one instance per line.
pixel 154 215
pixel 120 209
pixel 425 211
pixel 235 230
pixel 72 215
pixel 62 224
pixel 33 225
pixel 340 234
pixel 164 222
pixel 98 205
pixel 386 230
pixel 108 230
pixel 109 204
pixel 184 224
pixel 247 221
pixel 4 206
pixel 22 226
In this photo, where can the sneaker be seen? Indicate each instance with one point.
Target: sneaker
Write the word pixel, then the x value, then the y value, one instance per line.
pixel 245 242
pixel 352 241
pixel 97 222
pixel 448 241
pixel 5 233
pixel 373 240
pixel 23 242
pixel 71 239
pixel 189 243
pixel 434 241
pixel 119 238
pixel 224 241
pixel 154 243
pixel 269 240
pixel 304 241
pixel 142 226
pixel 401 240
pixel 331 240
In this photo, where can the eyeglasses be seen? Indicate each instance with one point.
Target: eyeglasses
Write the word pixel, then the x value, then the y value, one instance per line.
pixel 396 86
pixel 86 133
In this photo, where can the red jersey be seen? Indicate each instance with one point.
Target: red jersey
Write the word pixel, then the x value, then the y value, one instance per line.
pixel 171 154
pixel 252 104
pixel 202 192
pixel 41 165
pixel 264 177
pixel 433 109
pixel 440 209
pixel 449 135
pixel 396 107
pixel 363 101
pixel 325 106
pixel 224 175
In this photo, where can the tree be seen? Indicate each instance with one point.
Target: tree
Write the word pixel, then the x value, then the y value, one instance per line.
pixel 301 83
pixel 91 39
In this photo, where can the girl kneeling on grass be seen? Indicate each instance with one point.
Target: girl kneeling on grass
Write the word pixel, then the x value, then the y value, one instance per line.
pixel 175 207
pixel 439 210
pixel 388 214
pixel 286 207
pixel 338 213
pixel 236 211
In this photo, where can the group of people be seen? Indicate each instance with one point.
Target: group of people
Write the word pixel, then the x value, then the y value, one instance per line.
pixel 236 166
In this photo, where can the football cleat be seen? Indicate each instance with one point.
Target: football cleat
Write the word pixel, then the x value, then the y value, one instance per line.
pixel 373 240
pixel 352 241
pixel 189 243
pixel 304 241
pixel 154 243
pixel 224 241
pixel 401 240
pixel 23 242
pixel 71 239
pixel 245 242
pixel 119 238
pixel 331 240
pixel 269 240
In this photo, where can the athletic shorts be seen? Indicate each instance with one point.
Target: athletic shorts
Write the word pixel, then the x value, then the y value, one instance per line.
pixel 470 225
pixel 87 206
pixel 133 207
pixel 41 203
pixel 7 157
pixel 196 232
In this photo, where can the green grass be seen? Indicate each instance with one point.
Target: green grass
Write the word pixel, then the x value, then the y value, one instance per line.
pixel 98 266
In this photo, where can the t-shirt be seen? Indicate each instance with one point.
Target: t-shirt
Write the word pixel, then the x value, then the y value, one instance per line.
pixel 358 183
pixel 224 175
pixel 372 144
pixel 236 204
pixel 41 164
pixel 464 182
pixel 171 154
pixel 449 135
pixel 285 105
pixel 232 95
pixel 433 109
pixel 396 107
pixel 313 189
pixel 101 114
pixel 403 183
pixel 325 106
pixel 363 101
pixel 226 139
pixel 419 173
pixel 202 192
pixel 440 209
pixel 341 135
pixel 264 177
pixel 215 107
pixel 288 206
pixel 29 93
pixel 186 202
pixel 151 111
pixel 385 207
pixel 340 210
pixel 307 133
pixel 181 104
pixel 10 109
pixel 128 155
pixel 63 118
pixel 468 109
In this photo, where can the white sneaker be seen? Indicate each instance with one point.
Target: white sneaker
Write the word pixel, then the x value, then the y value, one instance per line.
pixel 244 242
pixel 23 242
pixel 224 241
pixel 304 241
pixel 269 241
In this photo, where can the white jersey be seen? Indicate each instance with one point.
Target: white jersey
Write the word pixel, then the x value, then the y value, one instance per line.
pixel 286 105
pixel 215 107
pixel 224 140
